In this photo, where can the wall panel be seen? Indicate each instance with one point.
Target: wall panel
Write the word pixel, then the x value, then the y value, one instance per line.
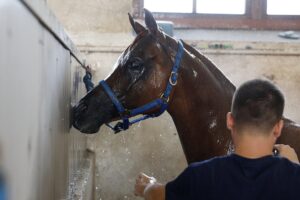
pixel 39 153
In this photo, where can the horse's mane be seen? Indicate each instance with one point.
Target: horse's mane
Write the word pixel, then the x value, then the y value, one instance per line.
pixel 211 66
pixel 202 58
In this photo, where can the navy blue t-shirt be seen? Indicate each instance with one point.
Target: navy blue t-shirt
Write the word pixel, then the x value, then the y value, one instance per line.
pixel 236 178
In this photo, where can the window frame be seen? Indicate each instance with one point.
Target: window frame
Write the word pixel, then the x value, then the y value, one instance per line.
pixel 255 17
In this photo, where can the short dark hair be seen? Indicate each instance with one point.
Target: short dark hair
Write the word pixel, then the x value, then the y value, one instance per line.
pixel 257 104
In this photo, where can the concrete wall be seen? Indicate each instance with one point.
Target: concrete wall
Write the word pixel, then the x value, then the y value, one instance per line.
pixel 283 70
pixel 40 75
pixel 87 22
pixel 96 15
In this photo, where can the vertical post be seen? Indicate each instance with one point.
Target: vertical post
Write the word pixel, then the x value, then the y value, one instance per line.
pixel 141 4
pixel 137 6
pixel 194 6
pixel 264 4
pixel 258 9
pixel 248 8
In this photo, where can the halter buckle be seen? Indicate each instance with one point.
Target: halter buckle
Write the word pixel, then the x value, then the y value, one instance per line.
pixel 165 99
pixel 126 113
pixel 173 83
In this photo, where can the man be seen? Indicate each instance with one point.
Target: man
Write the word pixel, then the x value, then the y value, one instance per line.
pixel 252 172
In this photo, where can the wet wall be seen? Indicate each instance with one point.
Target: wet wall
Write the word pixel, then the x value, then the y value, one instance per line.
pixel 40 77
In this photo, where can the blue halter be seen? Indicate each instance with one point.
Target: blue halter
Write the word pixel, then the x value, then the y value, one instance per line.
pixel 161 102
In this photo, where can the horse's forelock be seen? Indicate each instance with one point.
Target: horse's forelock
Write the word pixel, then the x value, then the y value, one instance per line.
pixel 143 34
pixel 168 44
pixel 138 38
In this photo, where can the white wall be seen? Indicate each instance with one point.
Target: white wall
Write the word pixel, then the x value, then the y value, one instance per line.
pixel 38 153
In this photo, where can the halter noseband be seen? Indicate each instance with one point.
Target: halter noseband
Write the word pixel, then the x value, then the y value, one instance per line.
pixel 161 102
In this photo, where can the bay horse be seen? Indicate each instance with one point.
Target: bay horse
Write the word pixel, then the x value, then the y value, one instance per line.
pixel 199 95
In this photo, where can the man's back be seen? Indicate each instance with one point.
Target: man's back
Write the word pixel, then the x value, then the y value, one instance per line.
pixel 255 122
pixel 234 177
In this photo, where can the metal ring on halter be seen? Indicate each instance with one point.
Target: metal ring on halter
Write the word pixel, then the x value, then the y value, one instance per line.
pixel 164 98
pixel 126 113
pixel 170 79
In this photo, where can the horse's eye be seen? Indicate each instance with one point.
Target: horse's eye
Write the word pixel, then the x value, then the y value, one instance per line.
pixel 136 64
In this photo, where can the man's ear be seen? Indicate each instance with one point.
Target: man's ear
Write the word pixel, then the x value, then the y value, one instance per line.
pixel 277 128
pixel 229 120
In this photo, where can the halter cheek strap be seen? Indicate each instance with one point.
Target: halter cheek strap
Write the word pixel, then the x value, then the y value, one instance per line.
pixel 161 102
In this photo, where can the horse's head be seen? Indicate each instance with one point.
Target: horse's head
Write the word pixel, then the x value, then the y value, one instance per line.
pixel 141 75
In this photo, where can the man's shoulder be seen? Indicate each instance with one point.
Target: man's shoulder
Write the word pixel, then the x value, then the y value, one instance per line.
pixel 229 161
pixel 210 162
pixel 287 165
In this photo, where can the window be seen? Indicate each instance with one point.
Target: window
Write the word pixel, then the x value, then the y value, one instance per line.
pixel 224 14
pixel 221 6
pixel 202 6
pixel 283 7
pixel 177 6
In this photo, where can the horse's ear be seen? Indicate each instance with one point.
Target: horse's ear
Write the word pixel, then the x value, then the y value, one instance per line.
pixel 150 22
pixel 137 27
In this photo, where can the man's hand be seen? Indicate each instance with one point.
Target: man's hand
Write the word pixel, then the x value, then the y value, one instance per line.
pixel 287 152
pixel 142 181
pixel 148 188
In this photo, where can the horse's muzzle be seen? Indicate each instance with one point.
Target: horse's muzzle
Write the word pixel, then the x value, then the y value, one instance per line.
pixel 84 129
pixel 77 115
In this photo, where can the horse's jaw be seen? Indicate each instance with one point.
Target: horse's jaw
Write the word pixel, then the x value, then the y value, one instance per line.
pixel 87 123
pixel 86 128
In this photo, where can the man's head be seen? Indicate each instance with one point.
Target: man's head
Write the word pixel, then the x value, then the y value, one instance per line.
pixel 257 107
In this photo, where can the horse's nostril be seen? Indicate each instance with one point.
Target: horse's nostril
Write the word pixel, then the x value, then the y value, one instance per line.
pixel 79 110
pixel 75 124
pixel 82 107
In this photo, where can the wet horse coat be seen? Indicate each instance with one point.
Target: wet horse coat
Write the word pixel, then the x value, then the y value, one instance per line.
pixel 197 104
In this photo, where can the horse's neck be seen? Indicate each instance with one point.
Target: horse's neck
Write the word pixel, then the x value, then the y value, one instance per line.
pixel 221 78
pixel 198 107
